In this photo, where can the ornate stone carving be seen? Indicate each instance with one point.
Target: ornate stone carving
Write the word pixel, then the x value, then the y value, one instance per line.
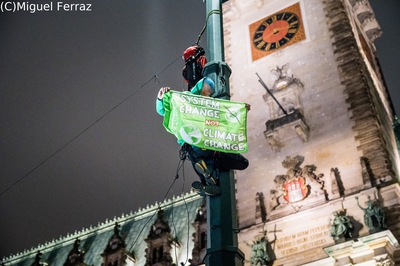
pixel 297 184
pixel 115 252
pixel 199 235
pixel 160 242
pixel 75 256
pixel 277 193
pixel 283 80
pixel 116 241
pixel 302 131
pixel 286 91
pixel 384 262
pixel 365 15
pixel 273 140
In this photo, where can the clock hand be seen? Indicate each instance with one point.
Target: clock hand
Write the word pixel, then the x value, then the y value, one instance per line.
pixel 276 30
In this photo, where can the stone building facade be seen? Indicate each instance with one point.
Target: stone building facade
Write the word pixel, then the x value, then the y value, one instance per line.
pixel 322 187
pixel 320 130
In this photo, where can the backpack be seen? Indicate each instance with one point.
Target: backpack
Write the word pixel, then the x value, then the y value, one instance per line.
pixel 194 64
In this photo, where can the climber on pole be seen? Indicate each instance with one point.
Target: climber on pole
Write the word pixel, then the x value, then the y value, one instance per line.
pixel 206 163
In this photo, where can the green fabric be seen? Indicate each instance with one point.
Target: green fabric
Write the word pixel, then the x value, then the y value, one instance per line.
pixel 195 90
pixel 209 123
pixel 160 107
pixel 198 87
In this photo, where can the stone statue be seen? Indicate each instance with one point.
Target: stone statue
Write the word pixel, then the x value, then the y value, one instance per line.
pixel 374 217
pixel 380 217
pixel 341 226
pixel 259 255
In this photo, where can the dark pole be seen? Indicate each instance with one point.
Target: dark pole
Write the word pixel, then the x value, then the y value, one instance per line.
pixel 222 239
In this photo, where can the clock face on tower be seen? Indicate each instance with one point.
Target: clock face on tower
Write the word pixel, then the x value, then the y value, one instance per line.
pixel 276 31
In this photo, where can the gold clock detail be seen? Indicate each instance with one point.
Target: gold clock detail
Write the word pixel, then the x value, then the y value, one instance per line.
pixel 276 31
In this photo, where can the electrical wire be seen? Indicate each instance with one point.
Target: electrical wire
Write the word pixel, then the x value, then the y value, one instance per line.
pixel 187 212
pixel 182 156
pixel 180 165
pixel 205 24
pixel 151 217
pixel 175 231
pixel 155 78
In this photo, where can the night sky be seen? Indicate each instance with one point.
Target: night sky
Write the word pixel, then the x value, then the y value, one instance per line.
pixel 80 141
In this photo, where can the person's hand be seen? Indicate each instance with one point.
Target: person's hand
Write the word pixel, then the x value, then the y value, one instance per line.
pixel 161 92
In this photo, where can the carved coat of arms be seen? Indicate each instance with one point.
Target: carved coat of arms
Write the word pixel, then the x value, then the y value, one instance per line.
pixel 295 190
pixel 297 184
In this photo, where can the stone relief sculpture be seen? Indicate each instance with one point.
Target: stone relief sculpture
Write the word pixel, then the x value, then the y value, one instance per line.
pixel 76 255
pixel 277 193
pixel 297 184
pixel 286 90
pixel 285 105
pixel 282 78
pixel 374 216
pixel 317 182
pixel 341 226
pixel 384 262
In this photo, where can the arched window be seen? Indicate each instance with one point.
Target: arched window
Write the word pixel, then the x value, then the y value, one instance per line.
pixel 160 254
pixel 203 240
pixel 154 256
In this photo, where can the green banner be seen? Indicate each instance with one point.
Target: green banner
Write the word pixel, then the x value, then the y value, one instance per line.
pixel 208 123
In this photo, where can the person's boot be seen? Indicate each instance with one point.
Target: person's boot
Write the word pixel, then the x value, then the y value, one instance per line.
pixel 209 189
pixel 206 171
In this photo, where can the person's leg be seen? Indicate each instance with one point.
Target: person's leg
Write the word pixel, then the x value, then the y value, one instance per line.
pixel 201 176
pixel 203 166
pixel 230 161
pixel 197 154
pixel 206 169
pixel 203 163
